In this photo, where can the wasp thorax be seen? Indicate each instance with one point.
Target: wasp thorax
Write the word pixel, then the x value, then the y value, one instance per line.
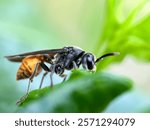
pixel 88 62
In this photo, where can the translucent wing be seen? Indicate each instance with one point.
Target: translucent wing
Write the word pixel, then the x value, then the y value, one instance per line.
pixel 20 57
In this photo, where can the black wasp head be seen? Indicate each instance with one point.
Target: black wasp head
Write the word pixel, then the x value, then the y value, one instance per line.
pixel 88 62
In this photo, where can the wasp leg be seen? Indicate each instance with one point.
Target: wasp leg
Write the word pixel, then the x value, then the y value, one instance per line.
pixel 47 70
pixel 51 78
pixel 43 79
pixel 63 76
pixel 52 69
pixel 75 65
pixel 22 99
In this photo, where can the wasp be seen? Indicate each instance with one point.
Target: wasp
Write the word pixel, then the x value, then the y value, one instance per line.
pixel 66 58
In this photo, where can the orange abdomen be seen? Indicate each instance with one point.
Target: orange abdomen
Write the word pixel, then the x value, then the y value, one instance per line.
pixel 28 67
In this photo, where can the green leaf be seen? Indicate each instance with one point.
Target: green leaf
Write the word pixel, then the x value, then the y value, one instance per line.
pixel 129 37
pixel 137 41
pixel 83 92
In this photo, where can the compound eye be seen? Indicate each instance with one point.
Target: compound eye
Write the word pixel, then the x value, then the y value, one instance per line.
pixel 88 62
pixel 90 65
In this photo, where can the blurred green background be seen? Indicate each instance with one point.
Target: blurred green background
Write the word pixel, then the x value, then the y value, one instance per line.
pixel 98 26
